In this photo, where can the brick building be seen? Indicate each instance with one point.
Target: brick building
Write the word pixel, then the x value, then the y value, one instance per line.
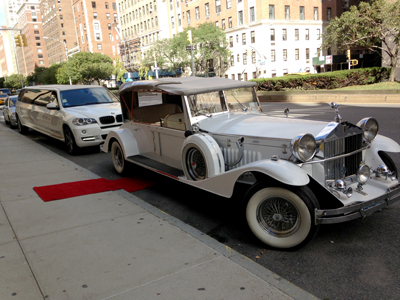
pixel 35 53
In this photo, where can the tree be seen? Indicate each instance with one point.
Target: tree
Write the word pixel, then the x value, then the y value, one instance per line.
pixel 14 82
pixel 86 67
pixel 375 26
pixel 212 52
pixel 119 70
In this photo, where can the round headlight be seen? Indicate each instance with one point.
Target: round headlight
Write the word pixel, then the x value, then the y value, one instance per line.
pixel 303 147
pixel 363 174
pixel 370 127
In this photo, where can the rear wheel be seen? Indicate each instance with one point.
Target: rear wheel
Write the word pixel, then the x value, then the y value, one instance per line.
pixel 21 128
pixel 118 159
pixel 282 217
pixel 70 143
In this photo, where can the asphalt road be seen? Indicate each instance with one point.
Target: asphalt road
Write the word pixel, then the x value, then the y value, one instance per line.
pixel 353 260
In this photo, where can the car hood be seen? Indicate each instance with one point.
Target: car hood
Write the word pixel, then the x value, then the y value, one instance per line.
pixel 260 125
pixel 95 111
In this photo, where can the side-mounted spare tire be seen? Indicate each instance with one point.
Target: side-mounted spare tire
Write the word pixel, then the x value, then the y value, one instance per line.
pixel 201 157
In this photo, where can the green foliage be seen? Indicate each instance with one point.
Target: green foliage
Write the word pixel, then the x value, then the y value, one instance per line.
pixel 143 72
pixel 328 81
pixel 373 25
pixel 13 82
pixel 43 75
pixel 85 67
pixel 119 70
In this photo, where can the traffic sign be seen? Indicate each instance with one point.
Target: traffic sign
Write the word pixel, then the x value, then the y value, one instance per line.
pixel 189 48
pixel 156 68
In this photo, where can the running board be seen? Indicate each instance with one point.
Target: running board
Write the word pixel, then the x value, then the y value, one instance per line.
pixel 155 166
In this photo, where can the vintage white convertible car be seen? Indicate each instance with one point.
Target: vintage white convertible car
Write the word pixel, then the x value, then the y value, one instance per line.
pixel 211 133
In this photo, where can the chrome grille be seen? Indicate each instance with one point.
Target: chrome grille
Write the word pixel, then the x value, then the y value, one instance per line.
pixel 345 166
pixel 107 120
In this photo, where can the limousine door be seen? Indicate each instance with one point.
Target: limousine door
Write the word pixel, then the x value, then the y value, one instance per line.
pixel 49 120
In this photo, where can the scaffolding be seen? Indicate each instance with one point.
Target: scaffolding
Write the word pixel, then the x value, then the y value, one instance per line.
pixel 129 50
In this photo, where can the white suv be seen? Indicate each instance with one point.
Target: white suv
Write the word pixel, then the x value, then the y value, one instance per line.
pixel 79 115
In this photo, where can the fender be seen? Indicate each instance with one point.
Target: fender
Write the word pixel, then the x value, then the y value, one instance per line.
pixel 381 143
pixel 125 138
pixel 281 170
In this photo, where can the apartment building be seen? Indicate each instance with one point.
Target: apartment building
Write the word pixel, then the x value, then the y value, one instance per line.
pixel 95 26
pixel 7 56
pixel 35 53
pixel 58 29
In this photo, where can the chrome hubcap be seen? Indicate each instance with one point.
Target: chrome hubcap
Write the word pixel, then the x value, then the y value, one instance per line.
pixel 196 164
pixel 278 216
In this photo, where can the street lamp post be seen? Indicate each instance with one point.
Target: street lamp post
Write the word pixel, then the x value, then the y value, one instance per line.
pixel 66 54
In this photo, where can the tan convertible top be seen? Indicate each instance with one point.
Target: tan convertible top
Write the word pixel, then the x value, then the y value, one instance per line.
pixel 185 85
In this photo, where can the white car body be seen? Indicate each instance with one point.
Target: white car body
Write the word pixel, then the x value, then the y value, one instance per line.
pixel 210 133
pixel 9 111
pixel 59 109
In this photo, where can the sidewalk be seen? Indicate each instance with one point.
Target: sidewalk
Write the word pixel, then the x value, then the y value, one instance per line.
pixel 109 245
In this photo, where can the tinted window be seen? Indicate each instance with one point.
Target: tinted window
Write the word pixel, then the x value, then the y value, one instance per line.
pixel 6 91
pixel 37 97
pixel 87 96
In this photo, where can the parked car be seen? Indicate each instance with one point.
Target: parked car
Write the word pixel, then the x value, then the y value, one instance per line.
pixel 3 97
pixel 79 115
pixel 9 111
pixel 5 91
pixel 211 133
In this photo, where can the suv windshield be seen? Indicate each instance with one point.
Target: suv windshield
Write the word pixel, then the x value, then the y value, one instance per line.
pixel 237 100
pixel 87 96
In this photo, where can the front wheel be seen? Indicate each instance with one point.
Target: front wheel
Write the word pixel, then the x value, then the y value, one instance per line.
pixel 70 143
pixel 118 159
pixel 282 218
pixel 21 128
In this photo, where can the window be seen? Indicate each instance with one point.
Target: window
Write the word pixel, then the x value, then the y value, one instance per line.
pixel 272 34
pixel 40 55
pixel 38 45
pixel 287 12
pixel 253 37
pixel 41 62
pixel 253 57
pixel 307 34
pixel 318 34
pixel 284 34
pixel 114 5
pixel 99 47
pixel 245 76
pixel 231 41
pixel 237 38
pixel 98 38
pixel 228 4
pixel 245 58
pixel 197 11
pixel 93 4
pixel 272 55
pixel 315 13
pixel 223 23
pixel 241 17
pixel 233 76
pixel 172 22
pixel 329 13
pixel 230 22
pixel 37 38
pixel 115 17
pixel 216 24
pixel 36 31
pixel 61 17
pixel 296 54
pixel 62 25
pixel 252 14
pixel 63 33
pixel 302 14
pixel 307 53
pixel 272 12
pixel 94 15
pixel 106 5
pixel 59 9
pixel 239 76
pixel 296 34
pixel 285 54
pixel 157 19
pixel 238 58
pixel 96 26
pixel 179 21
pixel 217 6
pixel 108 16
pixel 39 50
pixel 109 26
pixel 243 38
pixel 207 10
pixel 187 16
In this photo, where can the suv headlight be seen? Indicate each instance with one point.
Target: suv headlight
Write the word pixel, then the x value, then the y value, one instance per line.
pixel 303 147
pixel 370 127
pixel 83 121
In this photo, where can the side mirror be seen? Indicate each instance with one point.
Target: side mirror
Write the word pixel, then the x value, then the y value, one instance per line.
pixel 52 106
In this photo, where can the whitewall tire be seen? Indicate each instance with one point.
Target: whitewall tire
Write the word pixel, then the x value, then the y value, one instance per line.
pixel 117 156
pixel 282 218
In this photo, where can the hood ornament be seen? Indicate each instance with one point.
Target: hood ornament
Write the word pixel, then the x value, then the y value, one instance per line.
pixel 338 117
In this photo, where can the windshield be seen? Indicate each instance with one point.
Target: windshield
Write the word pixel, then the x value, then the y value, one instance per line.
pixel 6 91
pixel 12 101
pixel 242 100
pixel 238 100
pixel 89 96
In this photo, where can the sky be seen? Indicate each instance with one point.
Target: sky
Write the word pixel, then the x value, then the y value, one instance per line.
pixel 2 17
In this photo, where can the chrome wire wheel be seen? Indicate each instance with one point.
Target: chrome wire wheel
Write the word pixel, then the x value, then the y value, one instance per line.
pixel 278 216
pixel 196 164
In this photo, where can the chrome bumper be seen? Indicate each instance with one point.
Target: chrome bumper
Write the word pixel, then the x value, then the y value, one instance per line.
pixel 359 210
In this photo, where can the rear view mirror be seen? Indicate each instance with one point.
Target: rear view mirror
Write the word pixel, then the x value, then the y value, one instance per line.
pixel 52 106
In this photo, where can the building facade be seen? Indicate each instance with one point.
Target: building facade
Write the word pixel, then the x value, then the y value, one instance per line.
pixel 34 54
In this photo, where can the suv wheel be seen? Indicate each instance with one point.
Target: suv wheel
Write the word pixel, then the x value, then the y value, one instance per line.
pixel 21 128
pixel 70 143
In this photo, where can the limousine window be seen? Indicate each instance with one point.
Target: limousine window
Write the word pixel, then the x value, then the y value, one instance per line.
pixel 39 97
pixel 90 96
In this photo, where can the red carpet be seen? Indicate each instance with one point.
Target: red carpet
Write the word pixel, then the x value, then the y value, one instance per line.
pixel 92 186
